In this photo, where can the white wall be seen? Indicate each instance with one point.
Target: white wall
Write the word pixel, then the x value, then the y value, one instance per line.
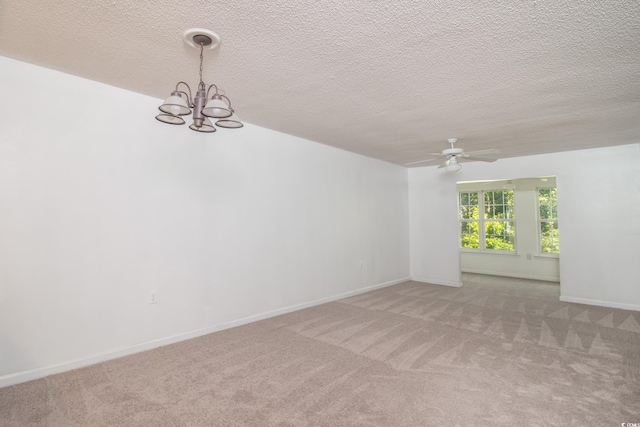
pixel 100 204
pixel 598 212
pixel 434 232
pixel 527 262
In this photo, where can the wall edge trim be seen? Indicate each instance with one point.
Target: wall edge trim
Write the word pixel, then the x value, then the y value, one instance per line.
pixel 600 303
pixel 38 373
pixel 516 275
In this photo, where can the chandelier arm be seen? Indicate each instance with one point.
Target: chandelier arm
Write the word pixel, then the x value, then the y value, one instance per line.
pixel 228 100
pixel 189 102
pixel 210 86
pixel 189 96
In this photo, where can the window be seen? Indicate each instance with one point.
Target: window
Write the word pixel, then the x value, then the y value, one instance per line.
pixel 499 230
pixel 548 220
pixel 469 220
pixel 495 229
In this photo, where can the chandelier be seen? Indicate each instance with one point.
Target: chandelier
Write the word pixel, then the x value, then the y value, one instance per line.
pixel 202 107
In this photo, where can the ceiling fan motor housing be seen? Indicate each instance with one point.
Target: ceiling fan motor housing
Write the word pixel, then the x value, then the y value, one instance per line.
pixel 452 152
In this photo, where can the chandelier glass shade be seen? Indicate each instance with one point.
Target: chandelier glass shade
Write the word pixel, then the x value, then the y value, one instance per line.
pixel 203 106
pixel 231 122
pixel 217 108
pixel 206 127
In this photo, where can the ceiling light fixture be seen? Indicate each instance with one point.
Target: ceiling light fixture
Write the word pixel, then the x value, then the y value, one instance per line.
pixel 181 103
pixel 452 165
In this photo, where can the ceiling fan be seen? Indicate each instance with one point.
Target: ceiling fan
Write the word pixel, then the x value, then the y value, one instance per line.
pixel 452 156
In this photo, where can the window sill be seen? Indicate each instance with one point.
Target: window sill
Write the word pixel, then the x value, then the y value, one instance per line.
pixel 488 252
pixel 552 256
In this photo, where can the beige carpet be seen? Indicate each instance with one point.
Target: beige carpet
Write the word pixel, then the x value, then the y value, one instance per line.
pixel 496 352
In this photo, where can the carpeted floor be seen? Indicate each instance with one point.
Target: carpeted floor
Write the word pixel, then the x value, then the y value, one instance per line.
pixel 497 352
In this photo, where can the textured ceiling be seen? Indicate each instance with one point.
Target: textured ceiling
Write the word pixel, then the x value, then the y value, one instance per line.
pixel 390 80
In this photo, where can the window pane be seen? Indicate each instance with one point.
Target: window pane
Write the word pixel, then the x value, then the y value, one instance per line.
pixel 548 203
pixel 461 204
pixel 499 204
pixel 468 207
pixel 469 235
pixel 549 237
pixel 509 212
pixel 467 212
pixel 550 245
pixel 549 241
pixel 499 235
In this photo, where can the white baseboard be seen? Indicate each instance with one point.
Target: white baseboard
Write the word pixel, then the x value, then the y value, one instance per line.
pixel 516 275
pixel 34 374
pixel 611 304
pixel 436 282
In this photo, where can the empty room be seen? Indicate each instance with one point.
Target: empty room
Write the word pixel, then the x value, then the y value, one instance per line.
pixel 305 213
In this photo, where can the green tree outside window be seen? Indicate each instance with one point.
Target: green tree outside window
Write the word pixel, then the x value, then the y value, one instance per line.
pixel 548 204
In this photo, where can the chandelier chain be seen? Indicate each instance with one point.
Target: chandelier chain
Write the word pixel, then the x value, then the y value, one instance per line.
pixel 201 58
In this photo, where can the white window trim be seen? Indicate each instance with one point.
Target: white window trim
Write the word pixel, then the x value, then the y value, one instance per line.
pixel 547 255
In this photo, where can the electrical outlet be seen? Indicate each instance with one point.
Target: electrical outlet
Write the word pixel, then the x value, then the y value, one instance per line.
pixel 529 257
pixel 361 264
pixel 153 297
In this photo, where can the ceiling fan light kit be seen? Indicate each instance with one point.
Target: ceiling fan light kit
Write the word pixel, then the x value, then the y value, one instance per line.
pixel 452 157
pixel 201 106
pixel 453 166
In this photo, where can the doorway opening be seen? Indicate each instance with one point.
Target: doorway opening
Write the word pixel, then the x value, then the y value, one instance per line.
pixel 509 228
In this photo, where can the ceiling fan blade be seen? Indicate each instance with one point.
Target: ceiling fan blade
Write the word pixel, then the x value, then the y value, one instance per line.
pixel 483 152
pixel 421 161
pixel 476 158
pixel 443 164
